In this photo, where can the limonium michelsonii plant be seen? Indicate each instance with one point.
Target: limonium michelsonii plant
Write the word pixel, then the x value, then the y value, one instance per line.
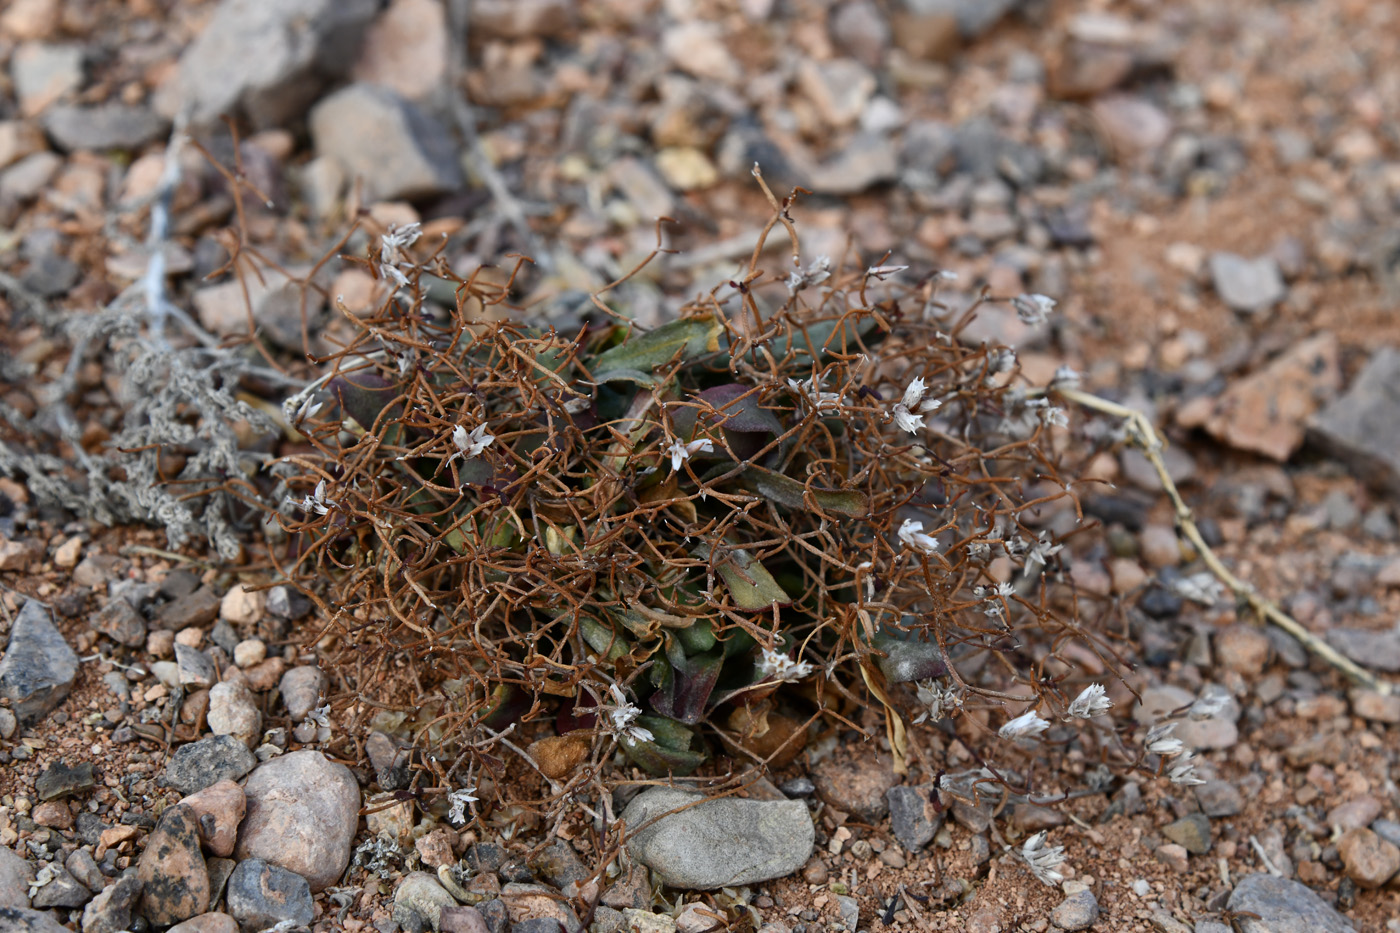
pixel 1026 725
pixel 1091 702
pixel 1044 861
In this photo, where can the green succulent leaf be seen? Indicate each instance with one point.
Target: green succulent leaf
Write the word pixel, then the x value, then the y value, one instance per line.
pixel 788 492
pixel 686 690
pixel 602 639
pixel 674 749
pixel 691 337
pixel 824 338
pixel 749 582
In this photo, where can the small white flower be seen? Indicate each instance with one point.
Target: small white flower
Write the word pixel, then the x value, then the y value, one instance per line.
pixel 396 237
pixel 317 501
pixel 1033 309
pixel 1160 740
pixel 1183 772
pixel 1066 377
pixel 471 444
pixel 811 391
pixel 777 665
pixel 909 410
pixel 1054 417
pixel 1043 860
pixel 1201 588
pixel 911 532
pixel 621 718
pixel 320 716
pixel 679 453
pixel 1042 551
pixel 1025 725
pixel 936 700
pixel 945 276
pixel 1212 702
pixel 1001 360
pixel 879 272
pixel 459 800
pixel 817 272
pixel 1090 703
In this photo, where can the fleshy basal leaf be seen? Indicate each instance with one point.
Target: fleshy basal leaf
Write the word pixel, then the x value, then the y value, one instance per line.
pixel 691 336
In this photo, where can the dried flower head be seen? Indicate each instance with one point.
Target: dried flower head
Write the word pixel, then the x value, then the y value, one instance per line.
pixel 936 700
pixel 911 532
pixel 1183 771
pixel 459 800
pixel 1212 702
pixel 1033 309
pixel 1090 702
pixel 1160 740
pixel 908 412
pixel 1024 726
pixel 778 666
pixel 621 718
pixel 679 452
pixel 470 444
pixel 1043 860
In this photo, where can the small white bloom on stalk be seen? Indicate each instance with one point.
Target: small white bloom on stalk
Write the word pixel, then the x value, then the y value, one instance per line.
pixel 1211 703
pixel 1001 360
pixel 812 391
pixel 621 716
pixel 1043 860
pixel 1160 740
pixel 1183 772
pixel 1024 726
pixel 1066 377
pixel 1054 417
pixel 471 443
pixel 1033 309
pixel 459 800
pixel 935 700
pixel 680 453
pixel 879 272
pixel 391 246
pixel 911 532
pixel 1042 551
pixel 945 276
pixel 317 501
pixel 909 410
pixel 777 665
pixel 1091 702
pixel 817 272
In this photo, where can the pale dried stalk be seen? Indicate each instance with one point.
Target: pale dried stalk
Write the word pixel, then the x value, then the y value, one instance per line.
pixel 1142 434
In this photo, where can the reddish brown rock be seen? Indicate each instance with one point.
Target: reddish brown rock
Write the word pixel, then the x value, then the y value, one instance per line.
pixel 218 809
pixel 175 880
pixel 1369 860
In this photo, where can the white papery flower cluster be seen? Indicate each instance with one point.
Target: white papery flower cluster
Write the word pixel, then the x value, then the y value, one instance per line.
pixel 1044 861
pixel 459 800
pixel 680 453
pixel 1033 309
pixel 911 532
pixel 391 252
pixel 1203 588
pixel 471 443
pixel 316 501
pixel 936 700
pixel 1091 702
pixel 621 718
pixel 777 665
pixel 909 411
pixel 811 391
pixel 817 272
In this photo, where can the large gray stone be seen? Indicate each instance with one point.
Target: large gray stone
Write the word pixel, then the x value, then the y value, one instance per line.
pixel 266 60
pixel 24 920
pixel 262 895
pixel 38 668
pixel 212 759
pixel 723 842
pixel 111 125
pixel 377 135
pixel 1362 427
pixel 1247 284
pixel 16 875
pixel 1284 906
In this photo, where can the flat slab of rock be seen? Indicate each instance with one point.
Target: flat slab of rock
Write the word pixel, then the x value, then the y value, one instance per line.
pixel 262 895
pixel 38 669
pixel 200 764
pixel 719 842
pixel 1362 427
pixel 1285 906
pixel 375 134
pixel 1247 285
pixel 302 814
pixel 175 880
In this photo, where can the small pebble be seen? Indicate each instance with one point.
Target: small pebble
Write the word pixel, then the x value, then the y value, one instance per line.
pixel 249 652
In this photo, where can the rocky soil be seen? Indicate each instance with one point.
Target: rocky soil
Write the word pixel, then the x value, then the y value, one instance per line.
pixel 1209 191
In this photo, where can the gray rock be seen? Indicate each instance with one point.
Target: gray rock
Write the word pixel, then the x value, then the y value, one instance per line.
pixel 420 896
pixel 120 621
pixel 51 275
pixel 913 817
pixel 1389 830
pixel 397 149
pixel 60 780
pixel 9 725
pixel 198 608
pixel 496 915
pixel 1362 427
pixel 301 45
pixel 1379 651
pixel 261 895
pixel 16 874
pixel 1285 906
pixel 114 909
pixel 856 785
pixel 1191 832
pixel 197 765
pixel 526 902
pixel 285 602
pixel 43 73
pixel 302 813
pixel 24 920
pixel 82 866
pixel 559 864
pixel 975 17
pixel 849 909
pixel 61 890
pixel 302 688
pixel 1247 284
pixel 721 842
pixel 196 670
pixel 869 159
pixel 1076 912
pixel 1219 798
pixel 522 19
pixel 111 125
pixel 38 668
pixel 29 176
